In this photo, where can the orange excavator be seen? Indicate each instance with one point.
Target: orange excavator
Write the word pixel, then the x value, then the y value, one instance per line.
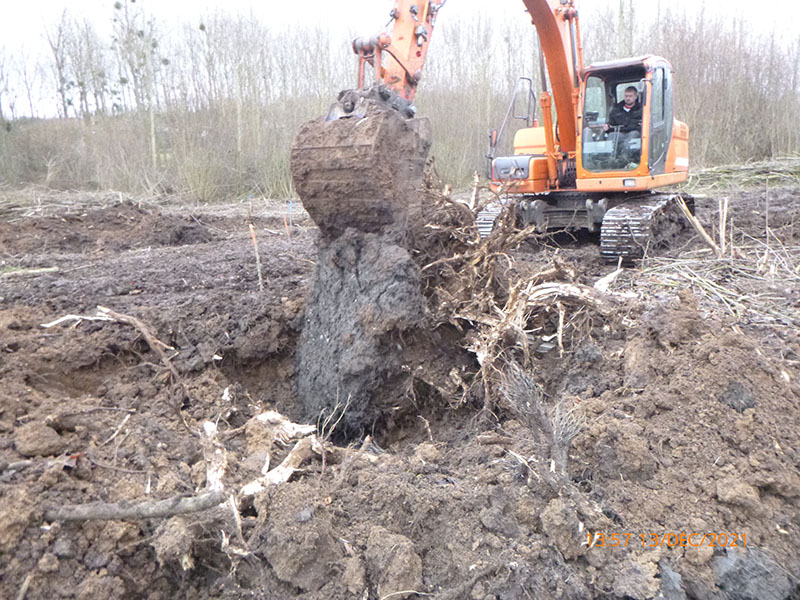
pixel 592 167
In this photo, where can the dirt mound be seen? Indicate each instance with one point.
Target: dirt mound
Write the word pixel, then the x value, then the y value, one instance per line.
pixel 117 227
pixel 662 399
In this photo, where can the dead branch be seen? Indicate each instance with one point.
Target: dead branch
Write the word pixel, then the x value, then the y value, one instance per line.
pixel 698 226
pixel 491 438
pixel 463 590
pixel 22 272
pixel 215 456
pixel 404 593
pixel 23 590
pixel 77 318
pixel 156 346
pixel 546 294
pixel 558 272
pixel 123 511
pixel 258 256
pixel 153 342
pixel 602 284
pixel 723 223
pixel 302 451
pixel 283 429
pixel 347 466
pixel 474 197
pixel 117 430
pixel 92 460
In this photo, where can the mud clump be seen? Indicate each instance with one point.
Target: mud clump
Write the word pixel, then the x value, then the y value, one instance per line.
pixel 365 296
pixel 393 563
pixel 298 542
pixel 751 574
pixel 361 180
pixel 361 173
pixel 37 439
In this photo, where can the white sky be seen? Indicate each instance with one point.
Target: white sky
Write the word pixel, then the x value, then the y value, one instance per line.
pixel 22 22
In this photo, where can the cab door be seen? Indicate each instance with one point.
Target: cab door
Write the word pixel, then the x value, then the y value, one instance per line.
pixel 662 108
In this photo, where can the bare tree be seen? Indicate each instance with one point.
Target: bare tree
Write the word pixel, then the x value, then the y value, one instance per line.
pixel 56 40
pixel 86 62
pixel 137 45
pixel 28 74
pixel 217 119
pixel 4 89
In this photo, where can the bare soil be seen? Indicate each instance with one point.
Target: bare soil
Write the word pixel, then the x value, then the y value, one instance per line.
pixel 690 423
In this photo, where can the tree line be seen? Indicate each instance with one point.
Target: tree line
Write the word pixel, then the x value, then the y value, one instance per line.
pixel 210 110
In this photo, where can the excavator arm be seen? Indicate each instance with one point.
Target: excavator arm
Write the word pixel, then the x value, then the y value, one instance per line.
pixel 557 24
pixel 362 165
pixel 401 50
pixel 396 55
pixel 406 47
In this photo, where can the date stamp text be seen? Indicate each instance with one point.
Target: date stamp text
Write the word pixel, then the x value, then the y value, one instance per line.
pixel 670 539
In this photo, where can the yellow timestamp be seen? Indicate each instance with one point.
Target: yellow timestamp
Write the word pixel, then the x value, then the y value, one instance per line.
pixel 669 539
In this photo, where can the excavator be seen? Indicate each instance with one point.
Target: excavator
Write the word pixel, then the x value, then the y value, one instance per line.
pixel 579 170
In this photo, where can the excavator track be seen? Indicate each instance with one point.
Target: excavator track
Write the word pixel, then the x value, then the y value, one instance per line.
pixel 486 218
pixel 632 226
pixel 630 230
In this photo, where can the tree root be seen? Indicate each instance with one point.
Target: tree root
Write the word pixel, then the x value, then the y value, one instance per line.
pixel 123 511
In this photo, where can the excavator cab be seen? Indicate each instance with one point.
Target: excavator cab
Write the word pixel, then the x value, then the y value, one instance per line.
pixel 658 151
pixel 587 170
pixel 606 156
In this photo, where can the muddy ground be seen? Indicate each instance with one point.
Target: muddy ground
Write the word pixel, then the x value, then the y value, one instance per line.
pixel 688 403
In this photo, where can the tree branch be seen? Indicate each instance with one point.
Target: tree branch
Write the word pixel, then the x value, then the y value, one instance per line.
pixel 123 511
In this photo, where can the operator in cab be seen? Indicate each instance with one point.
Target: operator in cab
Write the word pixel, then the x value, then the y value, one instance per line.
pixel 625 121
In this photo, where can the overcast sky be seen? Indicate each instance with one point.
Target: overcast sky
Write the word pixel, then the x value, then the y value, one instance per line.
pixel 23 21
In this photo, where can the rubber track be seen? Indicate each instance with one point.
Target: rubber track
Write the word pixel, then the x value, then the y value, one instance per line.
pixel 629 230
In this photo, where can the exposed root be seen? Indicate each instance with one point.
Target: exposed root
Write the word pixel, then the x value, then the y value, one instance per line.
pixel 471 283
pixel 463 590
pixel 302 451
pixel 103 511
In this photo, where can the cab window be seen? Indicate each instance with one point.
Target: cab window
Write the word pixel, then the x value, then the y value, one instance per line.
pixel 608 150
pixel 595 108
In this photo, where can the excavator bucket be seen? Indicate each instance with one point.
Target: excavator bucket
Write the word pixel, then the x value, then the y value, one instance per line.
pixel 363 168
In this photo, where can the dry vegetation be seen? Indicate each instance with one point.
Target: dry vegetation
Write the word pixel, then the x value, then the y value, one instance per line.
pixel 210 111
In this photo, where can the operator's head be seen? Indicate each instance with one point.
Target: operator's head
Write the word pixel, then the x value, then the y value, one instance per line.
pixel 631 95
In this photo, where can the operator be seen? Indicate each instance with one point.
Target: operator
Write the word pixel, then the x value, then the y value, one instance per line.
pixel 626 119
